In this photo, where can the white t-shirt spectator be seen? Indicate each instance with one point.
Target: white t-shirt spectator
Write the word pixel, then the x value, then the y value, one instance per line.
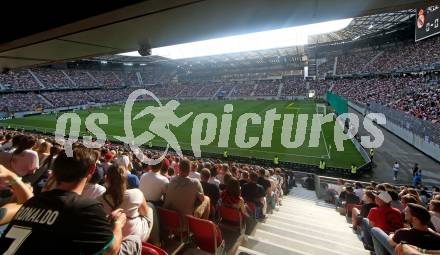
pixel 359 193
pixel 214 180
pixel 136 225
pixel 195 175
pixel 25 163
pixel 435 221
pixel 396 167
pixel 153 186
pixel 93 190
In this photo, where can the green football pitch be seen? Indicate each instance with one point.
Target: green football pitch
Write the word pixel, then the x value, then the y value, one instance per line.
pixel 303 154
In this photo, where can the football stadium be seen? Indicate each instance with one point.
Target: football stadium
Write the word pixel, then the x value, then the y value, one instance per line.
pixel 220 127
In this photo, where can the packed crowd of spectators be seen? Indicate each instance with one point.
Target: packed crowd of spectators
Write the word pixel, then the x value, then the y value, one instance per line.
pixel 107 79
pixel 189 91
pixel 107 198
pixel 209 90
pixel 131 78
pixel 293 87
pixel 19 80
pixel 243 89
pixel 81 78
pixel 52 78
pixel 412 95
pixel 354 61
pixel 326 67
pixel 67 98
pixel 390 219
pixel 20 102
pixel 267 88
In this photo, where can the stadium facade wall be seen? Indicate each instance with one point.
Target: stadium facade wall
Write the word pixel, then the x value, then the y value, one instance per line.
pixel 426 146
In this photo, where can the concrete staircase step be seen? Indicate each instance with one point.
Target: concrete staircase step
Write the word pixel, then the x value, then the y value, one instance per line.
pixel 322 239
pixel 309 246
pixel 267 247
pixel 245 251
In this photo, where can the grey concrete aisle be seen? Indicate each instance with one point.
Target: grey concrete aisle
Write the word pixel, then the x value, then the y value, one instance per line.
pixel 303 225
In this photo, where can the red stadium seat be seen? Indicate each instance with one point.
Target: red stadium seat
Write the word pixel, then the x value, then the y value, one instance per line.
pixel 171 222
pixel 149 249
pixel 207 235
pixel 232 217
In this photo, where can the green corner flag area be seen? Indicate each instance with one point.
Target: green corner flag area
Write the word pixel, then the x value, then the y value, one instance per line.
pixel 326 149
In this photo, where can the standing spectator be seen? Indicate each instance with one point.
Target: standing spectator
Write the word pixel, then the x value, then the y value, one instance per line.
pixel 415 169
pixel 61 209
pixel 132 201
pixel 185 195
pixel 396 168
pixel 359 190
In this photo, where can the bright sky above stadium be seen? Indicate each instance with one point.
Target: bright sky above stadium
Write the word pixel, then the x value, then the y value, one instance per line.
pixel 278 38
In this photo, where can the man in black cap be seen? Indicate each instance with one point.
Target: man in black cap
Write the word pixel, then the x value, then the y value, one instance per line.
pixel 420 235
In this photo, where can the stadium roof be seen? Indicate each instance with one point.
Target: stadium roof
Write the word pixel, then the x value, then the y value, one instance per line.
pixel 359 27
pixel 84 29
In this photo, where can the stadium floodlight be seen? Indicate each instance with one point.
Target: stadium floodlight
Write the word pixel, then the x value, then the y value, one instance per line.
pixel 278 38
pixel 143 64
pixel 128 64
pixel 103 62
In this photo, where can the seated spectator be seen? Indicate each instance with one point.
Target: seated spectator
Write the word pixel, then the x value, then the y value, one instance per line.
pixel 434 210
pixel 359 190
pixel 93 189
pixel 309 182
pixel 6 145
pixel 350 199
pixel 194 174
pixel 231 197
pixel 368 203
pixel 384 217
pixel 21 192
pixel 61 209
pixel 133 180
pixel 213 179
pixel 132 201
pixel 419 235
pixel 154 185
pixel 43 151
pixel 406 199
pixel 185 195
pixel 334 190
pixel 254 193
pixel 244 178
pixel 209 189
pixel 24 160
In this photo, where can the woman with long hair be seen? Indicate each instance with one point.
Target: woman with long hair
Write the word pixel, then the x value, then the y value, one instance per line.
pixel 358 214
pixel 231 196
pixel 132 201
pixel 43 151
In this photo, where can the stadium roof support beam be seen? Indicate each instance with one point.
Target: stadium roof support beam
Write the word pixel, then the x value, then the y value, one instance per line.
pixel 180 21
